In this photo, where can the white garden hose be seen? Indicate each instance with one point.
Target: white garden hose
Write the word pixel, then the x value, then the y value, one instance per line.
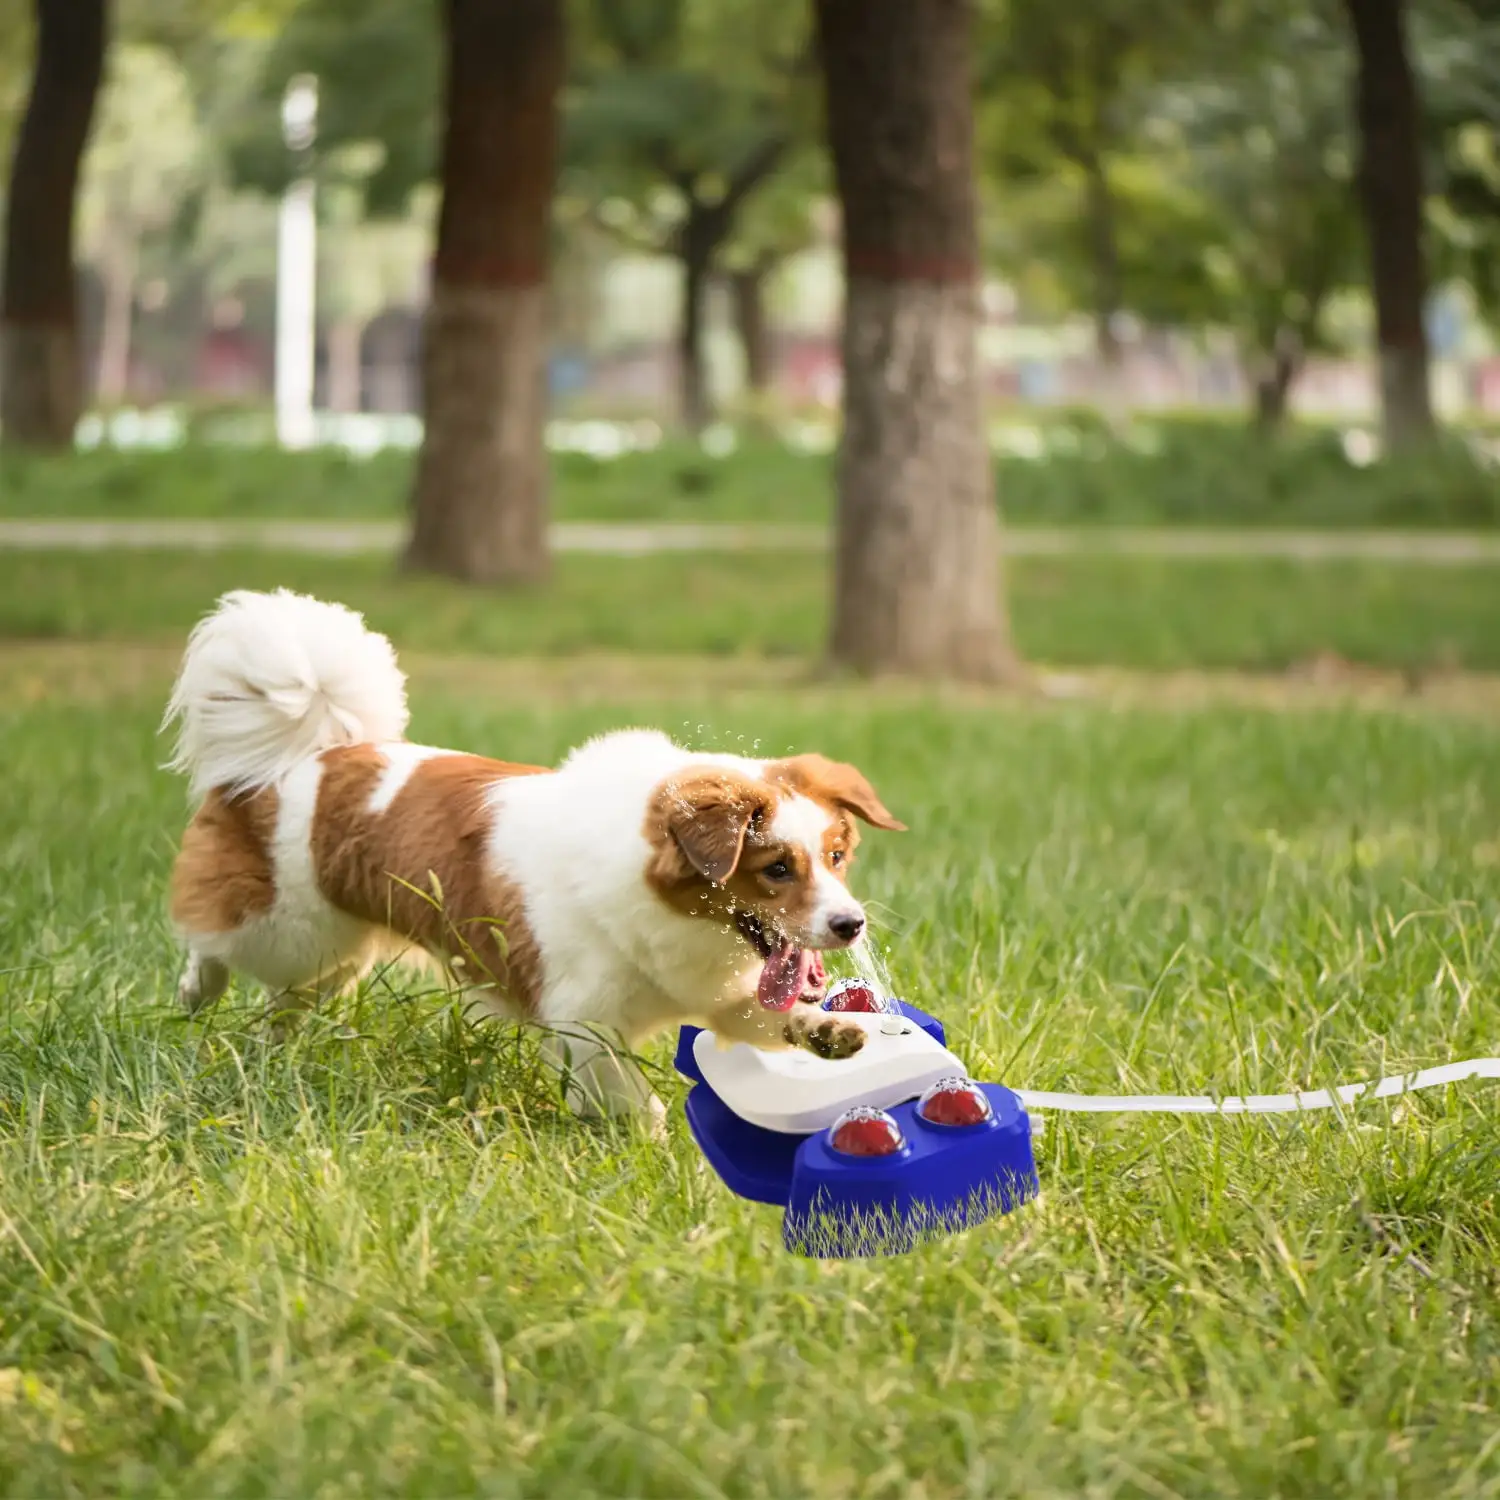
pixel 1262 1104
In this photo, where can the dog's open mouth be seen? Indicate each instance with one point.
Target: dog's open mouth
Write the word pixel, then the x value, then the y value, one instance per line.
pixel 788 972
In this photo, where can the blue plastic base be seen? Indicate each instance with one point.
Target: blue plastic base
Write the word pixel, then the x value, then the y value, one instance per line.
pixel 944 1179
pixel 757 1164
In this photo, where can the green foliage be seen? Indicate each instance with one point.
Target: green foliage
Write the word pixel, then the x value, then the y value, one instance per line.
pixel 682 109
pixel 666 96
pixel 146 154
pixel 15 67
pixel 1197 173
pixel 1038 233
pixel 1068 89
pixel 1072 80
pixel 185 25
pixel 1457 47
pixel 779 219
pixel 1266 148
pixel 378 64
pixel 686 88
pixel 377 1261
pixel 367 265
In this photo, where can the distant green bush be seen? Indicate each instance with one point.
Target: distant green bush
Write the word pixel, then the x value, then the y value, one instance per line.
pixel 1205 472
pixel 1061 467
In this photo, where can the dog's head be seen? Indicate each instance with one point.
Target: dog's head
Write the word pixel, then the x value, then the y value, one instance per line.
pixel 767 852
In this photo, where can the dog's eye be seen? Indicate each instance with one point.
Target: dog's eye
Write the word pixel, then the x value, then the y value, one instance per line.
pixel 837 857
pixel 779 871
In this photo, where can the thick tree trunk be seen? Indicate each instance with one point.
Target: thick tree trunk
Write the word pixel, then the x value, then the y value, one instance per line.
pixel 117 326
pixel 482 478
pixel 480 502
pixel 346 376
pixel 917 564
pixel 1391 194
pixel 748 288
pixel 697 252
pixel 41 380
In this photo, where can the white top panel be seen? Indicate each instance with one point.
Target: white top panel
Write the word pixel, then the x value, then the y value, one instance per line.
pixel 796 1093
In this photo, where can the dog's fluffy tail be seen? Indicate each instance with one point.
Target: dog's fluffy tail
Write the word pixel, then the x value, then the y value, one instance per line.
pixel 270 679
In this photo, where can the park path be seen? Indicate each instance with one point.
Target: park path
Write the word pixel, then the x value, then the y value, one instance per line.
pixel 629 539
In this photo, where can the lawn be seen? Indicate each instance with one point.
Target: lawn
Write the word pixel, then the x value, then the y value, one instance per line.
pixel 376 1261
pixel 1157 613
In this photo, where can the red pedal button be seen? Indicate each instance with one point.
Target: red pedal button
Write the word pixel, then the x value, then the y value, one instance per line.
pixel 954 1101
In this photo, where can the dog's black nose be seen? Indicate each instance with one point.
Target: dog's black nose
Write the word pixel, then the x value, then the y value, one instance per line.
pixel 846 926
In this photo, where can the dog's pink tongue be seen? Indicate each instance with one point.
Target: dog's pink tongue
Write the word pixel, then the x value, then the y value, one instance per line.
pixel 784 977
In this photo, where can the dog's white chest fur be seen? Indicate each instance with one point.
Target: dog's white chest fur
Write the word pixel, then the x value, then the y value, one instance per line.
pixel 575 845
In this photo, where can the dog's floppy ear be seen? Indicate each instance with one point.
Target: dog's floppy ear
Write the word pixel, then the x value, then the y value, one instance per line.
pixel 842 785
pixel 707 814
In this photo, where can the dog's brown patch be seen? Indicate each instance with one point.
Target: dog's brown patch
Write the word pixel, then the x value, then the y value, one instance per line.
pixel 840 841
pixel 421 866
pixel 223 875
pixel 709 831
pixel 697 824
pixel 836 785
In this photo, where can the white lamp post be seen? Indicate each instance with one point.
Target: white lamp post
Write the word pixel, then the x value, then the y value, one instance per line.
pixel 297 273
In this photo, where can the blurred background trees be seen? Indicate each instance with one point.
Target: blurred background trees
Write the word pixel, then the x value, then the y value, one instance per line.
pixel 634 208
pixel 683 115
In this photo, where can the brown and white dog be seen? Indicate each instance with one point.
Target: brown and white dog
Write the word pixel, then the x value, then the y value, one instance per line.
pixel 637 886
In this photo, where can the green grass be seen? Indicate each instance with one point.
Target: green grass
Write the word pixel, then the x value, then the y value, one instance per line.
pixel 1175 471
pixel 1101 609
pixel 377 1261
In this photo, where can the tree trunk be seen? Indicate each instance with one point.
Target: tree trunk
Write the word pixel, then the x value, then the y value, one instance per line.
pixel 1391 195
pixel 346 376
pixel 748 288
pixel 1273 387
pixel 41 380
pixel 117 272
pixel 480 501
pixel 696 253
pixel 1273 391
pixel 917 561
pixel 1104 251
pixel 1279 360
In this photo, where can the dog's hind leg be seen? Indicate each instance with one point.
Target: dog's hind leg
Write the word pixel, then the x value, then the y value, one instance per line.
pixel 287 1006
pixel 285 1010
pixel 600 1079
pixel 203 981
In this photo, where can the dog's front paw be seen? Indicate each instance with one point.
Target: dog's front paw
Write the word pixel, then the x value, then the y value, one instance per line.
pixel 825 1036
